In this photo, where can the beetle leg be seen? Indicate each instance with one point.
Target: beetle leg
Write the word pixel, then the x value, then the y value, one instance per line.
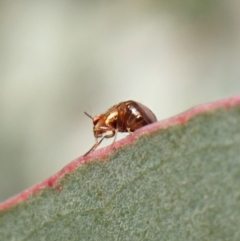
pixel 97 143
pixel 115 137
pixel 108 136
pixel 93 147
pixel 129 131
pixel 130 134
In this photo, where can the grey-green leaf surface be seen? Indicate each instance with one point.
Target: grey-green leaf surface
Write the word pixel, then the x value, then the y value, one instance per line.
pixel 178 182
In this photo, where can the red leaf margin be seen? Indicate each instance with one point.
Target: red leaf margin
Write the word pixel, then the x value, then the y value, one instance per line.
pixel 103 152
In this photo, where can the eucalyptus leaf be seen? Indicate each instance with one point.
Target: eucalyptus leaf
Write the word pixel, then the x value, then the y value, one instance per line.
pixel 177 179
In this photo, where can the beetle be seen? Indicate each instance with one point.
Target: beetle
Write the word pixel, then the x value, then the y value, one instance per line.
pixel 126 116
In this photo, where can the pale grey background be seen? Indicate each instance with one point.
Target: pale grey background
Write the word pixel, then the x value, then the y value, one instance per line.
pixel 61 58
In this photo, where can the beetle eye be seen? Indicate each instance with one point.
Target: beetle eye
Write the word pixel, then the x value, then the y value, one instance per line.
pixel 96 119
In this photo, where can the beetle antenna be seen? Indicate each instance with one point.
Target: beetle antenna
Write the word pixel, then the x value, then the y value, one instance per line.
pixel 88 115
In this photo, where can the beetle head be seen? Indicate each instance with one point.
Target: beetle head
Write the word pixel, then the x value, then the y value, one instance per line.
pixel 98 124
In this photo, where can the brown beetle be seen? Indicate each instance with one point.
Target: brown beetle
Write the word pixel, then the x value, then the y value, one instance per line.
pixel 126 116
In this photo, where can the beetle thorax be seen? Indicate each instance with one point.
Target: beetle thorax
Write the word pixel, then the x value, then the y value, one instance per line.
pixel 104 122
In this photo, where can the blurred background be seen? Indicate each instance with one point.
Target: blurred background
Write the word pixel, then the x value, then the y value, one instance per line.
pixel 61 58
